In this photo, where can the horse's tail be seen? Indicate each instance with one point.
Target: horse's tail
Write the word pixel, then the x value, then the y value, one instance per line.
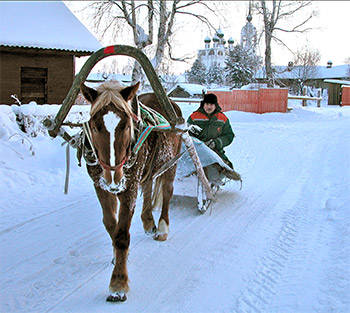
pixel 157 195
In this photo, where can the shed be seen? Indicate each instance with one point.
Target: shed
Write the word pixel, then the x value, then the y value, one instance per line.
pixel 186 90
pixel 335 90
pixel 39 42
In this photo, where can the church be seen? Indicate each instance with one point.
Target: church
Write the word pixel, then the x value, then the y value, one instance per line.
pixel 217 48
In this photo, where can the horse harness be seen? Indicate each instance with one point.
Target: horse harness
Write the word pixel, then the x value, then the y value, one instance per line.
pixel 150 120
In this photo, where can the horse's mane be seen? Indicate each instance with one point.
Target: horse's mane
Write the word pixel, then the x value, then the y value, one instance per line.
pixel 109 92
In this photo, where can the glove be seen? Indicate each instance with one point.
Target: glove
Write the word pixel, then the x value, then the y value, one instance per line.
pixel 211 143
pixel 194 129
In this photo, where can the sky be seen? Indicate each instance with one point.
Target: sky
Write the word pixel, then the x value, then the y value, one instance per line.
pixel 327 34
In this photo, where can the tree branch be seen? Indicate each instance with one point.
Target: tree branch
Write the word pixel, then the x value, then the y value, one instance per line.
pixel 282 43
pixel 295 28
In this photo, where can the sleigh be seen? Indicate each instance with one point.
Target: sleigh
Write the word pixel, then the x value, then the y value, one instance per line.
pixel 195 159
pixel 217 172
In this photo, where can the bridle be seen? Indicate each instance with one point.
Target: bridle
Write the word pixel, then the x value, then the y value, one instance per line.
pixel 87 132
pixel 113 168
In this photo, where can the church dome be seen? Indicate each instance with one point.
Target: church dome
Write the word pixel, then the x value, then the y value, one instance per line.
pixel 230 40
pixel 216 39
pixel 249 18
pixel 207 39
pixel 219 33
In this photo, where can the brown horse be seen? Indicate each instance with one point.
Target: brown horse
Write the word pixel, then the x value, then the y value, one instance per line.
pixel 115 126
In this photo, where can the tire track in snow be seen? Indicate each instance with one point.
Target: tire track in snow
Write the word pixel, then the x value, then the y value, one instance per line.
pixel 53 259
pixel 244 220
pixel 262 283
pixel 78 287
pixel 245 211
pixel 14 227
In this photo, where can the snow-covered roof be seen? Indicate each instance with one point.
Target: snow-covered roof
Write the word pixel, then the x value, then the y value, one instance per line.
pixel 192 89
pixel 43 24
pixel 337 81
pixel 322 72
pixel 110 76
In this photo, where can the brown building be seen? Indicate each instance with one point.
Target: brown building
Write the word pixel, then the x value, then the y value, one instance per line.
pixel 37 53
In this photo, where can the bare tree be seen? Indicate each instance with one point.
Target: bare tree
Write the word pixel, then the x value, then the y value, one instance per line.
pixel 305 65
pixel 274 14
pixel 142 17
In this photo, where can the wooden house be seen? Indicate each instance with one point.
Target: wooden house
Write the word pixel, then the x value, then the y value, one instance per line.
pixel 291 78
pixel 187 90
pixel 39 42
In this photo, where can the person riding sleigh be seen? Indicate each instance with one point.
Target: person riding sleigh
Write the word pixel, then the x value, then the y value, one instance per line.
pixel 211 126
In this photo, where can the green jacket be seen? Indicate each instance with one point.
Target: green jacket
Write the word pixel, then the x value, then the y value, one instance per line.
pixel 214 126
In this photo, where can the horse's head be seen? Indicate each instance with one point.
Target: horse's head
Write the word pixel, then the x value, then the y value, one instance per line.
pixel 112 129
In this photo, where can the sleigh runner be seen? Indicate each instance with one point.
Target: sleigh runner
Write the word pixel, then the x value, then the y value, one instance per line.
pixel 131 142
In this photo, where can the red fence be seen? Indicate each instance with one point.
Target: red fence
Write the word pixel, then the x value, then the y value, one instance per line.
pixel 345 98
pixel 256 101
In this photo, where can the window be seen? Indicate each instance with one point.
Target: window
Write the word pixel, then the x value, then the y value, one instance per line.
pixel 34 85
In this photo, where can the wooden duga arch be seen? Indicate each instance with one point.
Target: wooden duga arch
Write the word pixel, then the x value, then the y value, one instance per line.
pixel 178 124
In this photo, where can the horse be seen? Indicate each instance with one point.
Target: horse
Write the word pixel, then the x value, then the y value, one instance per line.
pixel 115 123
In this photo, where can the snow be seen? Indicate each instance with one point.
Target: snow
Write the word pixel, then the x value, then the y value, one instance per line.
pixel 281 244
pixel 43 24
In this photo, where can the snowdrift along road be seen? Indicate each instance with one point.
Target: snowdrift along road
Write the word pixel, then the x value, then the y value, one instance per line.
pixel 281 244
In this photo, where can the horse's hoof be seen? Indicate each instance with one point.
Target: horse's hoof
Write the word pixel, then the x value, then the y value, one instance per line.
pixel 116 297
pixel 160 237
pixel 151 232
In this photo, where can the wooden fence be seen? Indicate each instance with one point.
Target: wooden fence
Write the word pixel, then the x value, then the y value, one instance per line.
pixel 345 99
pixel 264 100
pixel 304 97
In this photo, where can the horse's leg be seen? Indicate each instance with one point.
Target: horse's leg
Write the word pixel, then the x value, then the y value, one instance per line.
pixel 146 215
pixel 167 190
pixel 108 203
pixel 107 200
pixel 119 281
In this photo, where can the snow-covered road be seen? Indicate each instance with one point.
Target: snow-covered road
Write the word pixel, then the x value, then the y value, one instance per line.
pixel 281 244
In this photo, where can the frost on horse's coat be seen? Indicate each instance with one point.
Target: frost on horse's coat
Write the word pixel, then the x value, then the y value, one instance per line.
pixel 114 131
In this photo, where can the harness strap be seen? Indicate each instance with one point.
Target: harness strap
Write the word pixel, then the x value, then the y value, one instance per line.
pixel 168 165
pixel 156 120
pixel 143 136
pixel 87 133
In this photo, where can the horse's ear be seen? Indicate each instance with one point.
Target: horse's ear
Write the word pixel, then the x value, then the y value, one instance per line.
pixel 129 92
pixel 90 94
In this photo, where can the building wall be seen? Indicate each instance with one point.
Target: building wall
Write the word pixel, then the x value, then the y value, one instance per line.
pixel 345 95
pixel 60 76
